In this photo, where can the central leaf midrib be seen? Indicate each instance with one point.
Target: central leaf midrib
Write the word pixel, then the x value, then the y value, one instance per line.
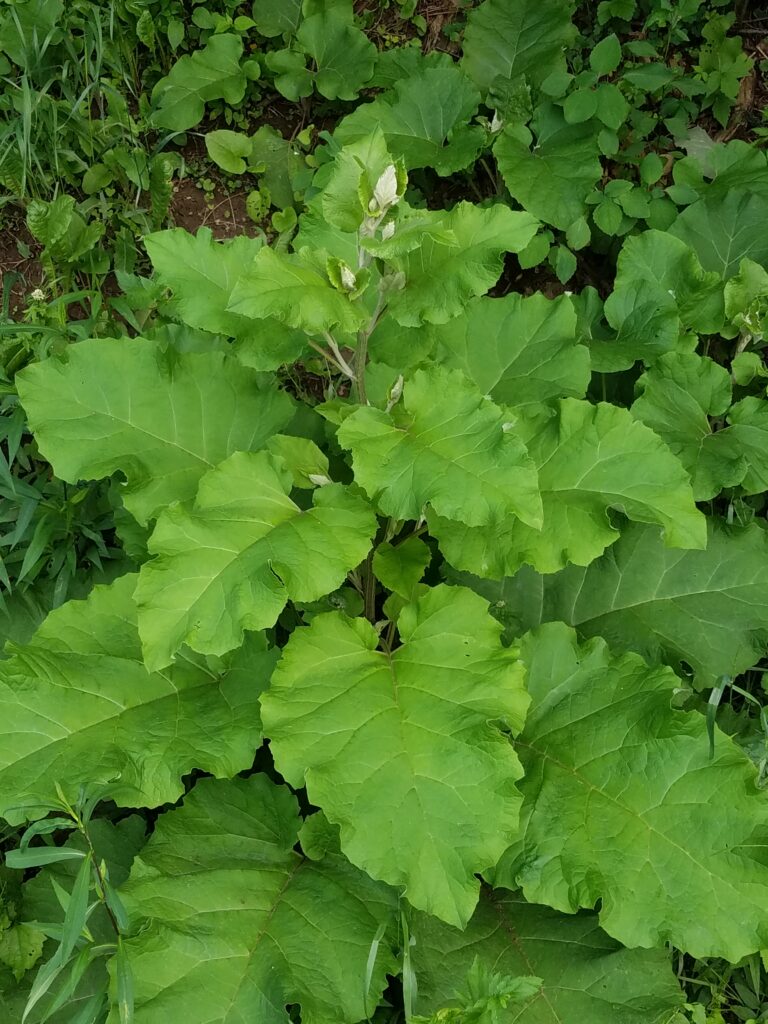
pixel 423 447
pixel 506 924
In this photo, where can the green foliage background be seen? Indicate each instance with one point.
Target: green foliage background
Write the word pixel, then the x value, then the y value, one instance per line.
pixel 385 586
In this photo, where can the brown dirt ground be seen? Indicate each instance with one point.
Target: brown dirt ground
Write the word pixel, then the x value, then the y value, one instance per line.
pixel 223 210
pixel 224 214
pixel 12 231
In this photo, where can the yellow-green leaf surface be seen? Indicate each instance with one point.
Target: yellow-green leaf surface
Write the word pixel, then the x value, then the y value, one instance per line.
pixel 441 276
pixel 624 805
pixel 456 455
pixel 590 458
pixel 748 429
pixel 519 350
pixel 78 707
pixel 400 566
pixel 231 560
pixel 295 293
pixel 201 273
pixel 404 751
pixel 654 266
pixel 230 924
pixel 162 419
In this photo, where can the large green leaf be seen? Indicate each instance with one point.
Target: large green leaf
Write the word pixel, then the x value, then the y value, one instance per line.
pixel 211 73
pixel 396 63
pixel 654 268
pixel 527 38
pixel 230 561
pixel 288 288
pixel 425 121
pixel 400 566
pixel 23 611
pixel 202 273
pixel 704 609
pixel 231 924
pixel 624 805
pixel 276 19
pixel 318 234
pixel 646 325
pixel 281 164
pixel 588 977
pixel 163 420
pixel 518 350
pixel 590 458
pixel 79 707
pixel 553 179
pixel 403 750
pixel 441 276
pixel 748 421
pixel 678 394
pixel 719 168
pixel 456 455
pixel 343 56
pixel 723 230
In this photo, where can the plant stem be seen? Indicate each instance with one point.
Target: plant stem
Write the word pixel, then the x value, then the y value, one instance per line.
pixel 360 361
pixel 390 637
pixel 345 369
pixel 369 588
pixel 744 341
pixel 340 360
pixel 100 880
pixel 361 356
